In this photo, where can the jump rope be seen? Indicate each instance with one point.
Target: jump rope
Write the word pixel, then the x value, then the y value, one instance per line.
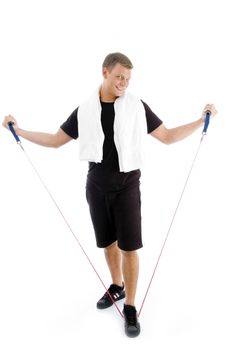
pixel 206 124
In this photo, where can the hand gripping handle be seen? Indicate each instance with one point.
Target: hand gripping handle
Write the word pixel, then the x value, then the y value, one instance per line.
pixel 10 125
pixel 207 121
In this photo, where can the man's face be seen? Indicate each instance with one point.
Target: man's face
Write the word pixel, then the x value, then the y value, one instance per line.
pixel 117 80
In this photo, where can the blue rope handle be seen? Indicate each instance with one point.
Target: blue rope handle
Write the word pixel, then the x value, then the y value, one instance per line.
pixel 10 125
pixel 207 121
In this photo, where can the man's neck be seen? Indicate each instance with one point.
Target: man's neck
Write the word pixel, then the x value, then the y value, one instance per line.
pixel 105 96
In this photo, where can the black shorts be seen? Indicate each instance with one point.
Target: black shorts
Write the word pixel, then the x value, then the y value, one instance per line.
pixel 116 216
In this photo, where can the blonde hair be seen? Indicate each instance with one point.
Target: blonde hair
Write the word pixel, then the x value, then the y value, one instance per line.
pixel 116 57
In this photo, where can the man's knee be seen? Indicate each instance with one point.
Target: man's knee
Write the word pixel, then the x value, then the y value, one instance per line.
pixel 110 247
pixel 129 253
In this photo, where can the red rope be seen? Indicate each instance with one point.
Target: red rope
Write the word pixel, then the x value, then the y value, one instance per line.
pixel 83 250
pixel 170 226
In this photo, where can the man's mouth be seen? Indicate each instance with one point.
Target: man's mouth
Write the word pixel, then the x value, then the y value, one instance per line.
pixel 121 90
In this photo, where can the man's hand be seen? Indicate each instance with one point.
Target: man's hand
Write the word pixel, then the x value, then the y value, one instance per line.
pixel 8 119
pixel 211 108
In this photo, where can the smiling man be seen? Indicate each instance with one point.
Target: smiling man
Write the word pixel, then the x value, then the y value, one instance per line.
pixel 111 126
pixel 116 80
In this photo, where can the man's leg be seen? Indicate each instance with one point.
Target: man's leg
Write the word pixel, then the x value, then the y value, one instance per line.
pixel 127 218
pixel 130 268
pixel 116 289
pixel 127 262
pixel 114 261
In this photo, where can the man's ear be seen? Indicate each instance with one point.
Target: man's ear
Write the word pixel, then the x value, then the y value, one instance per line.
pixel 105 72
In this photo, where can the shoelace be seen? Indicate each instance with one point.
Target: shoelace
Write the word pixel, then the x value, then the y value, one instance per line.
pixel 112 291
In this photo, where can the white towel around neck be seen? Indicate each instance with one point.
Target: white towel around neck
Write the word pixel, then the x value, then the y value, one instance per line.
pixel 129 131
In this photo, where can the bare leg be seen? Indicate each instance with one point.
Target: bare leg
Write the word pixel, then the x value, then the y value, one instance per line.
pixel 113 258
pixel 130 267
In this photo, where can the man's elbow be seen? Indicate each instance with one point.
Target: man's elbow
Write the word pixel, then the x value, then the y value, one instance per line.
pixel 163 135
pixel 55 142
pixel 59 139
pixel 55 146
pixel 168 140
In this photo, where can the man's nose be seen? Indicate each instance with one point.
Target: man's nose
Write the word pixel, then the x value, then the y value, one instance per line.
pixel 124 81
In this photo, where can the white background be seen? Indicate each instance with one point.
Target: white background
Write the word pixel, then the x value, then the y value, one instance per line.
pixel 50 61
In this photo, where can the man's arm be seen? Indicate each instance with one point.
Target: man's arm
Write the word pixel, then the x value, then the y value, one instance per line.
pixel 169 136
pixel 40 138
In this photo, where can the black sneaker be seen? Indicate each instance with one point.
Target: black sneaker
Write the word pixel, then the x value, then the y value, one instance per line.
pixel 132 326
pixel 117 293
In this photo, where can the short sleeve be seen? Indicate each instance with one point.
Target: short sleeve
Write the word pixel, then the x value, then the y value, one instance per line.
pixel 153 121
pixel 70 126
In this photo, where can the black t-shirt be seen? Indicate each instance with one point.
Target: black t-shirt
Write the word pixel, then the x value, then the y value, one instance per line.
pixel 107 174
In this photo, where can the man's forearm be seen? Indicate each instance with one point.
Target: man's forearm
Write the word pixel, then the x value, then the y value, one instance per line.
pixel 40 138
pixel 181 132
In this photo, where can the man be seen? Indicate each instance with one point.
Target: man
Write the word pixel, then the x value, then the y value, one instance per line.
pixel 110 126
